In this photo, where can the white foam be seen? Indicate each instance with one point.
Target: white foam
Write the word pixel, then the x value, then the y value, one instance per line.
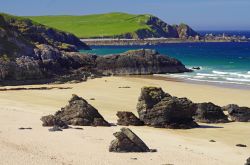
pixel 237 79
pixel 220 72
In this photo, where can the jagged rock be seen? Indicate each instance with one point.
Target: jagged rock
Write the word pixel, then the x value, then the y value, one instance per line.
pixel 210 113
pixel 50 120
pixel 248 161
pixel 127 141
pixel 236 113
pixel 143 61
pixel 159 109
pixel 79 112
pixel 128 118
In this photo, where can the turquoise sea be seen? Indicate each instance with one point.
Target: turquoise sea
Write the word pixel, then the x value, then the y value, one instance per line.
pixel 221 63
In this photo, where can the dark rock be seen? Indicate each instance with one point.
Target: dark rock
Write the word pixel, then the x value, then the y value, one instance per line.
pixel 210 113
pixel 212 141
pixel 236 113
pixel 159 109
pixel 241 145
pixel 55 128
pixel 144 61
pixel 128 118
pixel 51 120
pixel 127 141
pixel 79 112
pixel 248 161
pixel 196 68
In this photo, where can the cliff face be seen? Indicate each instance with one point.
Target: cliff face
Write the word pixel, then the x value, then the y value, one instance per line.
pixel 20 44
pixel 158 28
pixel 137 62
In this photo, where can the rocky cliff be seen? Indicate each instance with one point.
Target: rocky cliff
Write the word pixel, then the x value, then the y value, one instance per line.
pixel 157 28
pixel 30 51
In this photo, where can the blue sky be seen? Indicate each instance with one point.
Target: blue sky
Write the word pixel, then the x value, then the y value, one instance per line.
pixel 200 14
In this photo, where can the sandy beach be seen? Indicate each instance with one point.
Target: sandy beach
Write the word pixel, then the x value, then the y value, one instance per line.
pixel 24 108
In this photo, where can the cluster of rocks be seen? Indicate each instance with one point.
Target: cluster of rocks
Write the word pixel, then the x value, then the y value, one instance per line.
pixel 77 112
pixel 159 109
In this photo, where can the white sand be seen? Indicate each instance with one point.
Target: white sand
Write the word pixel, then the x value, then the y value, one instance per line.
pixel 90 146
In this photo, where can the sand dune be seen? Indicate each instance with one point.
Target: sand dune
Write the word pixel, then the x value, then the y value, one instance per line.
pixel 90 146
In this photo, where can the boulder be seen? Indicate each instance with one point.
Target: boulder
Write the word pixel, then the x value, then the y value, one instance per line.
pixel 248 161
pixel 127 141
pixel 210 113
pixel 52 121
pixel 159 109
pixel 236 113
pixel 80 112
pixel 128 118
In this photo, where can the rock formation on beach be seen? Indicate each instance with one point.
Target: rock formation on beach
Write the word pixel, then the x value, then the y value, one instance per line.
pixel 210 113
pixel 128 118
pixel 127 141
pixel 236 113
pixel 77 112
pixel 159 109
pixel 142 61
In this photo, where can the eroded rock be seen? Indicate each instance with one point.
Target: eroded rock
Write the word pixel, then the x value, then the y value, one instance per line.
pixel 159 109
pixel 128 118
pixel 210 113
pixel 127 141
pixel 236 113
pixel 80 112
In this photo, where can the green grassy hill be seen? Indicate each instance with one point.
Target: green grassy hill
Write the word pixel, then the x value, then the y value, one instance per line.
pixel 110 25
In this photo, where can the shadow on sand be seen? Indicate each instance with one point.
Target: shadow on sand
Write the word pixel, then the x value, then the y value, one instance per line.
pixel 209 126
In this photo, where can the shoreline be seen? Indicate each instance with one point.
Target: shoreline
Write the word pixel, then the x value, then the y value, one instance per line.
pixel 153 41
pixel 172 79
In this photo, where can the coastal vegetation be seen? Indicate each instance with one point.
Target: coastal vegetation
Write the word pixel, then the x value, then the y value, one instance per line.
pixel 115 25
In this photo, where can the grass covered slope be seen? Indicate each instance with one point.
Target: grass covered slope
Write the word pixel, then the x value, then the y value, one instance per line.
pixel 110 25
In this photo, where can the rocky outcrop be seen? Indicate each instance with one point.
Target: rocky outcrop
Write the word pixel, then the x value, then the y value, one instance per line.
pixel 236 113
pixel 157 28
pixel 80 112
pixel 38 33
pixel 127 141
pixel 128 118
pixel 30 51
pixel 184 31
pixel 159 109
pixel 143 61
pixel 210 113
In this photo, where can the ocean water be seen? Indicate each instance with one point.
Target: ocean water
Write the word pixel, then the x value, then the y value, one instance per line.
pixel 221 63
